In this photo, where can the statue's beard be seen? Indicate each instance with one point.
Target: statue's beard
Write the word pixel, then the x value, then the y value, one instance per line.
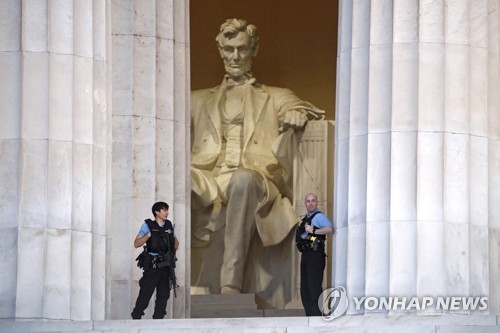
pixel 236 72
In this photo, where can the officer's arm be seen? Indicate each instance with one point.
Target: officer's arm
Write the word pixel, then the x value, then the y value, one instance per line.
pixel 176 244
pixel 324 231
pixel 140 241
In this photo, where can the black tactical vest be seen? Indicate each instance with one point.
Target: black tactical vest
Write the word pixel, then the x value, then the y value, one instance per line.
pixel 158 241
pixel 306 242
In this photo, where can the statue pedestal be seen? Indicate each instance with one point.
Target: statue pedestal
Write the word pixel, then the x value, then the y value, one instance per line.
pixel 224 306
pixel 237 306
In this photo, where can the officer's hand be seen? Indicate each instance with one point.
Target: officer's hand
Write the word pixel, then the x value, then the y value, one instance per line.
pixel 149 235
pixel 168 231
pixel 309 228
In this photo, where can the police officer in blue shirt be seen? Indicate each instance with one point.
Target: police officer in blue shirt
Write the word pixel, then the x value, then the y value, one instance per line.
pixel 312 263
pixel 158 235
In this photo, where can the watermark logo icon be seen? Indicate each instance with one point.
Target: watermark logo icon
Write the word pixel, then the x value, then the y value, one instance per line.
pixel 333 302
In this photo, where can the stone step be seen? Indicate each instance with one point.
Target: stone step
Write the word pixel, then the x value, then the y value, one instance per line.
pixel 202 306
pixel 239 313
pixel 347 324
pixel 227 313
pixel 284 313
pixel 238 306
pixel 224 306
pixel 216 299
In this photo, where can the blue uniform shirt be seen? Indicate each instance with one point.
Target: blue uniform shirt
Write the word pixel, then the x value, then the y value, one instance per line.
pixel 320 220
pixel 143 231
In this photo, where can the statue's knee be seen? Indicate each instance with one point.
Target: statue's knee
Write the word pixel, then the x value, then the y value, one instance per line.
pixel 244 179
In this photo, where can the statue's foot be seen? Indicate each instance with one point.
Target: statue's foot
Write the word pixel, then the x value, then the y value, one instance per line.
pixel 229 290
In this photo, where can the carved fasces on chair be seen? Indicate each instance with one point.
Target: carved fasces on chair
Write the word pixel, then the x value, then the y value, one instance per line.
pixel 313 173
pixel 270 271
pixel 313 166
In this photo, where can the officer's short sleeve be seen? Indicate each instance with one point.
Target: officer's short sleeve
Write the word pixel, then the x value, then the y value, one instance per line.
pixel 321 221
pixel 144 230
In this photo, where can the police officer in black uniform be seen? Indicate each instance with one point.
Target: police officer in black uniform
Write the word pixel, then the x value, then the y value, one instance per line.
pixel 310 239
pixel 155 234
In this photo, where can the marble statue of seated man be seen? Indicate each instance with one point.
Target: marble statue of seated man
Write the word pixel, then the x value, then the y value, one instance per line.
pixel 242 139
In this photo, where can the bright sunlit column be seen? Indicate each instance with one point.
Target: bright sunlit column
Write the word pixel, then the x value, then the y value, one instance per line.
pixel 54 124
pixel 417 149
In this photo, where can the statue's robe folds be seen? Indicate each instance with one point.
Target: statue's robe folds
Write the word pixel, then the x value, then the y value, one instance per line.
pixel 265 149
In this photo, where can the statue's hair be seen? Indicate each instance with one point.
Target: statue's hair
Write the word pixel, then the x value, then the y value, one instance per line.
pixel 231 27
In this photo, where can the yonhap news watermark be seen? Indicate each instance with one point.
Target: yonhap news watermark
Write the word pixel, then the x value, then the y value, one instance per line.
pixel 449 303
pixel 334 302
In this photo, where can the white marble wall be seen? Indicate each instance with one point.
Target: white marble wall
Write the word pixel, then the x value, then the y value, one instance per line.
pixel 418 149
pixel 93 130
pixel 150 140
pixel 55 148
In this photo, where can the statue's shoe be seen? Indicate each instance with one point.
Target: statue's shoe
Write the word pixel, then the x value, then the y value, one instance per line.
pixel 229 290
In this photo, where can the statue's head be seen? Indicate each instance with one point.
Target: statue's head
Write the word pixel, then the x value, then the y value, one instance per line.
pixel 238 43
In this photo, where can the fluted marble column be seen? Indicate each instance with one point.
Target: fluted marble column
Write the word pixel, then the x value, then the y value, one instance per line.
pixel 55 148
pixel 151 138
pixel 418 149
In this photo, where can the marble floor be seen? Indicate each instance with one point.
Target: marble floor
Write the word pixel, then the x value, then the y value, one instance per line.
pixel 347 324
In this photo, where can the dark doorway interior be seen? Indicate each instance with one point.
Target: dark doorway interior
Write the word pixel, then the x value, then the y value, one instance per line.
pixel 298 45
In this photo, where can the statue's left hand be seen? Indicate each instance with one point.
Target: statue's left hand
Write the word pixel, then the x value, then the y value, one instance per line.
pixel 295 119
